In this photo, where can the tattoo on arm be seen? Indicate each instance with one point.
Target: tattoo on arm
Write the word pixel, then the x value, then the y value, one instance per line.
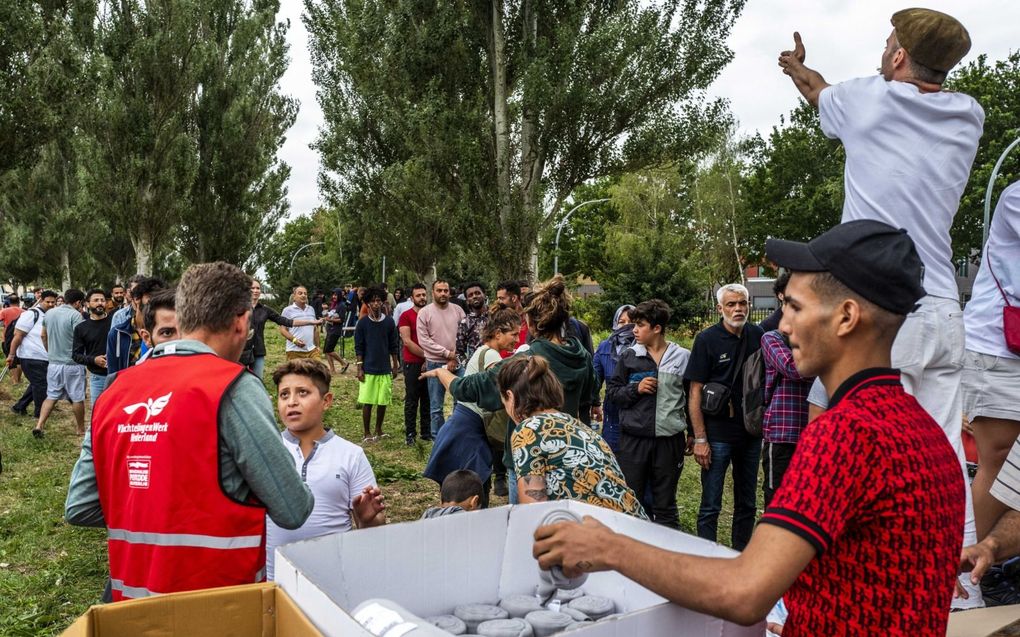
pixel 535 488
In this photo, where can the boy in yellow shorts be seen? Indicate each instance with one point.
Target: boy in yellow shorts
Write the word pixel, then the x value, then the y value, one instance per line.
pixel 376 345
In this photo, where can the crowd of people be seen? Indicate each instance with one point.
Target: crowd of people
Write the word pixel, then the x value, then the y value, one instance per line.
pixel 869 368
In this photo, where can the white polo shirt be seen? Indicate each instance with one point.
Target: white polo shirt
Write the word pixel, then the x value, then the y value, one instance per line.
pixel 336 471
pixel 982 317
pixel 306 332
pixel 908 159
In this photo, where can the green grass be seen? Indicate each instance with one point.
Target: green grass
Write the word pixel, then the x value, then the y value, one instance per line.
pixel 50 572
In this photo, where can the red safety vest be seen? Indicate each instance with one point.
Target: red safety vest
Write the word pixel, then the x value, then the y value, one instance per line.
pixel 155 442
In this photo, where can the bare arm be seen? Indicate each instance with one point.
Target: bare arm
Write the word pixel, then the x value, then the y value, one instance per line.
pixel 414 348
pixel 15 344
pixel 45 339
pixel 742 589
pixel 1002 543
pixel 287 334
pixel 444 375
pixel 531 488
pixel 702 452
pixel 810 83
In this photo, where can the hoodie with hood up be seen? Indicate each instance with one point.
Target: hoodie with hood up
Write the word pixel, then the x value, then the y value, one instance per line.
pixel 571 363
pixel 650 415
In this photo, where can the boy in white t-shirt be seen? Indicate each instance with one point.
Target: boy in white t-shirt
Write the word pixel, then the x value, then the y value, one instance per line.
pixel 336 471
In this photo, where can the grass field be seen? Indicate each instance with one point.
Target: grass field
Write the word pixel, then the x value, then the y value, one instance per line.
pixel 51 572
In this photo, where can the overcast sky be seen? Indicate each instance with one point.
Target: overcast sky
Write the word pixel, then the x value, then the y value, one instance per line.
pixel 843 40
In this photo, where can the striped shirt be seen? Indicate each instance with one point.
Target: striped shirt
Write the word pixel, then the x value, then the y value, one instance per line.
pixel 1006 487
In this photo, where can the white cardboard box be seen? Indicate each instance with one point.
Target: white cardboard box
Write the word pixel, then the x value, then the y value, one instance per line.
pixel 430 566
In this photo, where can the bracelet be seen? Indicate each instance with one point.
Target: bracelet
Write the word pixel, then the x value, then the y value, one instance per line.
pixel 701 441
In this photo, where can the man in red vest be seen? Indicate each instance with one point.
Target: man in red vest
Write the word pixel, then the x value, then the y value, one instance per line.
pixel 184 460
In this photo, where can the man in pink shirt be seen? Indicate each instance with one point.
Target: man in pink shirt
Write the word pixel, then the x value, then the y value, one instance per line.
pixel 437 336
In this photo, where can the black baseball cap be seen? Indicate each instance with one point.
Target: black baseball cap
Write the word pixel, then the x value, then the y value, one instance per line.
pixel 875 260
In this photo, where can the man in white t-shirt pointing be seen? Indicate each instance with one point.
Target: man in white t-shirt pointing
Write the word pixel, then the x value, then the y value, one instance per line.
pixel 909 150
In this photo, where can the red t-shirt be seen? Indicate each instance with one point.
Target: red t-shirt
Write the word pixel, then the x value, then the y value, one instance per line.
pixel 410 319
pixel 9 315
pixel 877 489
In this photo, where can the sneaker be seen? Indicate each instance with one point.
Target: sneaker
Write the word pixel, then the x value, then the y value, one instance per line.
pixel 38 433
pixel 409 441
pixel 499 486
pixel 19 412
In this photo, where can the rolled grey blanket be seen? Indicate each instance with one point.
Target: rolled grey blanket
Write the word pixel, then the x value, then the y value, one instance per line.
pixel 575 614
pixel 548 622
pixel 514 627
pixel 593 606
pixel 474 614
pixel 565 595
pixel 520 605
pixel 450 623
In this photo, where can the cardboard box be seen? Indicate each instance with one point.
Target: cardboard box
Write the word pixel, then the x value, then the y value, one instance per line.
pixel 255 610
pixel 430 566
pixel 999 621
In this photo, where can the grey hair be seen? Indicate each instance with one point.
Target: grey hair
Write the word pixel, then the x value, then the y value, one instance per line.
pixel 732 287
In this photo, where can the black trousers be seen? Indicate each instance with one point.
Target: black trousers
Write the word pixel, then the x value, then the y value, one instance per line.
pixel 775 459
pixel 416 400
pixel 35 373
pixel 655 462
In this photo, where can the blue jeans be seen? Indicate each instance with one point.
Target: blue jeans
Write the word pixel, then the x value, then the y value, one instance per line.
pixel 259 366
pixel 437 394
pixel 97 384
pixel 744 456
pixel 511 483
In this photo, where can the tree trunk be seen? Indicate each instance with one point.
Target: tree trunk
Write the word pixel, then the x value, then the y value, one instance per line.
pixel 65 269
pixel 430 277
pixel 500 115
pixel 143 251
pixel 532 157
pixel 733 229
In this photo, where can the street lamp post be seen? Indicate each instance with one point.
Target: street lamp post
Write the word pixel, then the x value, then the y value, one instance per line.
pixel 300 250
pixel 991 184
pixel 559 229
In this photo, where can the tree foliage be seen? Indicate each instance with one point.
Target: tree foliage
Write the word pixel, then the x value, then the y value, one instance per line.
pixel 794 187
pixel 500 109
pixel 138 131
pixel 996 86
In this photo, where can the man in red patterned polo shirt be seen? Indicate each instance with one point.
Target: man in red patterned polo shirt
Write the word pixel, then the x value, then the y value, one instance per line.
pixel 864 535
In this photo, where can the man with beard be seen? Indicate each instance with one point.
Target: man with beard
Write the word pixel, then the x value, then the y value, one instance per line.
pixel 416 389
pixel 715 397
pixel 89 348
pixel 469 331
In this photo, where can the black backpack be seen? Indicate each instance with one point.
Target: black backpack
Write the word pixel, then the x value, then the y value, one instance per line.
pixel 9 331
pixel 755 402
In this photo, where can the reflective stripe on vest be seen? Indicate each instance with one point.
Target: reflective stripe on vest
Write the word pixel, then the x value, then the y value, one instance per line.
pixel 131 592
pixel 186 539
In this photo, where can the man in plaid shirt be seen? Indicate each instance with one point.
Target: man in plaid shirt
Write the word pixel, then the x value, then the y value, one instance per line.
pixel 786 394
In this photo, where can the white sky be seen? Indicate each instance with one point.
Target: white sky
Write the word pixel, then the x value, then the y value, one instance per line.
pixel 843 40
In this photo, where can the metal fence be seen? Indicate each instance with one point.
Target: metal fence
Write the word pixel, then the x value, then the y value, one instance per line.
pixel 710 315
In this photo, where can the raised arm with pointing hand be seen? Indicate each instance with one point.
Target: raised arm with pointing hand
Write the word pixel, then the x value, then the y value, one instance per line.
pixel 809 82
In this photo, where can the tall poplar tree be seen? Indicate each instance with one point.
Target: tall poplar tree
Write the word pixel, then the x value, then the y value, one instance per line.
pixel 514 102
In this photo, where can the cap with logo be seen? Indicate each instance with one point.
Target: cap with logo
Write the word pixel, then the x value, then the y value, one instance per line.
pixel 874 259
pixel 932 38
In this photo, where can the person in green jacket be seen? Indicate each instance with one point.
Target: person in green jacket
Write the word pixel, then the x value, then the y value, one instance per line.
pixel 547 312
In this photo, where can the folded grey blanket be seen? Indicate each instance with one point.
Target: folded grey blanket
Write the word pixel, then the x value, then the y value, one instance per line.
pixel 474 614
pixel 450 623
pixel 593 606
pixel 520 605
pixel 514 627
pixel 548 622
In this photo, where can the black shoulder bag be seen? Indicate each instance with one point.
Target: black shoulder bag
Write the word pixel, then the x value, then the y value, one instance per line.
pixel 716 397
